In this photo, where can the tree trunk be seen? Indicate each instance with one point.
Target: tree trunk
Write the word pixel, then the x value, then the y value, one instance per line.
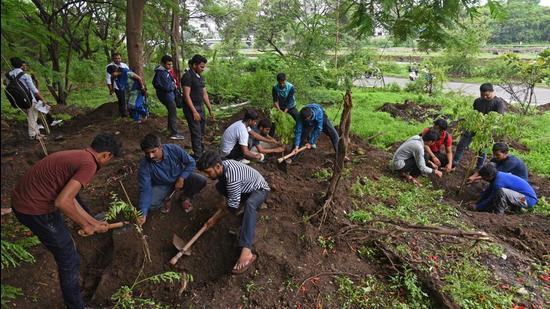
pixel 175 38
pixel 134 42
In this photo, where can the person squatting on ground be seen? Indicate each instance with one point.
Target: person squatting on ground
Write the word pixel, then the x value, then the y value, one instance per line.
pixel 48 191
pixel 505 162
pixel 165 87
pixel 486 103
pixel 506 192
pixel 195 96
pixel 18 75
pixel 314 119
pixel 135 92
pixel 409 159
pixel 234 143
pixel 434 152
pixel 239 183
pixel 116 59
pixel 166 168
pixel 257 146
pixel 284 96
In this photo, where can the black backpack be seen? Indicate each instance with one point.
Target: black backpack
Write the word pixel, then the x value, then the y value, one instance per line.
pixel 17 93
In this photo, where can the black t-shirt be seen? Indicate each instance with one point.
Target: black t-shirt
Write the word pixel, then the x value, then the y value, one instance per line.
pixel 496 104
pixel 196 83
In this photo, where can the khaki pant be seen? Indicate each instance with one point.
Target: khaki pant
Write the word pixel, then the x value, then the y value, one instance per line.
pixel 32 118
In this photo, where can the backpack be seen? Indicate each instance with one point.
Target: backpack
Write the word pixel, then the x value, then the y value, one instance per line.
pixel 17 93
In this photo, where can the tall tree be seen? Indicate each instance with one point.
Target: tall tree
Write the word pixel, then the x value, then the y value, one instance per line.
pixel 134 41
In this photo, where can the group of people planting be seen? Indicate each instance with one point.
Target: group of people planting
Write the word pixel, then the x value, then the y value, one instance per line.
pixel 50 188
pixel 431 152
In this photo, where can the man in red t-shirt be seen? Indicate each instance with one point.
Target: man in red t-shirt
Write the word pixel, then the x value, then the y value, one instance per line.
pixel 434 152
pixel 49 189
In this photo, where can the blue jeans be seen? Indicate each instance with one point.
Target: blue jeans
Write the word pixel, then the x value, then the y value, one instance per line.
pixel 463 144
pixel 328 129
pixel 192 185
pixel 53 234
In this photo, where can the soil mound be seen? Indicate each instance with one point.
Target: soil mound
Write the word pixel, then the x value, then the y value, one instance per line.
pixel 410 111
pixel 544 107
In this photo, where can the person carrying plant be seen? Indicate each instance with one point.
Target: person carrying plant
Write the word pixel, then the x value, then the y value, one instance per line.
pixel 23 94
pixel 434 151
pixel 283 96
pixel 409 160
pixel 234 143
pixel 166 168
pixel 113 87
pixel 314 119
pixel 257 146
pixel 505 163
pixel 486 103
pixel 48 191
pixel 134 92
pixel 240 184
pixel 506 192
pixel 195 96
pixel 165 87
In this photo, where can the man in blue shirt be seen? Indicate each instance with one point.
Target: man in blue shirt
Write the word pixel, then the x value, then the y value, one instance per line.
pixel 313 118
pixel 164 169
pixel 283 96
pixel 506 192
pixel 505 163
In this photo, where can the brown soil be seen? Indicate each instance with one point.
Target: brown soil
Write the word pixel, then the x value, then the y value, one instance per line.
pixel 286 244
pixel 544 107
pixel 410 111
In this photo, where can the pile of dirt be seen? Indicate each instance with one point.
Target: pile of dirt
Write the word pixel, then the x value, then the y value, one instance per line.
pixel 286 244
pixel 544 107
pixel 410 111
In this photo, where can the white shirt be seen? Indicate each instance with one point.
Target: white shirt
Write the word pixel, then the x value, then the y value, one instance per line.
pixel 108 76
pixel 235 133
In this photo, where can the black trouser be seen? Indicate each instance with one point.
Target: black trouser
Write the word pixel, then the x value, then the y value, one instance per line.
pixel 439 155
pixel 122 104
pixel 294 113
pixel 55 236
pixel 236 153
pixel 196 129
pixel 411 168
pixel 172 118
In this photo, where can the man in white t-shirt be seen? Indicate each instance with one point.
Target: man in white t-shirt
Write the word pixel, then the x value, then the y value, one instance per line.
pixel 234 143
pixel 113 88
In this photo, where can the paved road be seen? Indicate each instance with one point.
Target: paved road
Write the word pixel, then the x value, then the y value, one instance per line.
pixel 542 94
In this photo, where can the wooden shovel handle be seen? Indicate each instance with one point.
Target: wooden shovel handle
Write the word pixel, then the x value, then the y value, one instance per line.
pixel 280 160
pixel 188 245
pixel 111 226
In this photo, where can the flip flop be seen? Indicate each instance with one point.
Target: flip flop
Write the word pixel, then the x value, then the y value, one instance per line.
pixel 186 205
pixel 245 267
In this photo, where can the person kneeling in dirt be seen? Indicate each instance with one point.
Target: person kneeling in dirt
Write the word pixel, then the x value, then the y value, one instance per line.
pixel 165 169
pixel 238 183
pixel 433 152
pixel 504 163
pixel 409 160
pixel 234 143
pixel 313 118
pixel 256 146
pixel 506 192
pixel 49 190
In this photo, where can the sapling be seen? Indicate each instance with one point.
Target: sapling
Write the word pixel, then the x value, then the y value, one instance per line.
pixel 284 125
pixel 13 253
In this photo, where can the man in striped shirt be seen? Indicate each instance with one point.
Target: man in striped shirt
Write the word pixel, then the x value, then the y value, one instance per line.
pixel 238 182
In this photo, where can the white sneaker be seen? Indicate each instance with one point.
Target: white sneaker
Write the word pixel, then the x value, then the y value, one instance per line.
pixel 244 161
pixel 56 122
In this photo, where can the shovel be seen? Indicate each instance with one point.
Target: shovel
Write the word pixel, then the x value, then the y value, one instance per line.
pixel 111 226
pixel 184 249
pixel 283 163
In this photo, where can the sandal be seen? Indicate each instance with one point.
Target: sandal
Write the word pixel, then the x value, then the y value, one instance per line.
pixel 245 267
pixel 166 207
pixel 186 205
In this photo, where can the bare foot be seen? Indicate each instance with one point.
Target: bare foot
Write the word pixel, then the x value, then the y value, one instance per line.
pixel 246 259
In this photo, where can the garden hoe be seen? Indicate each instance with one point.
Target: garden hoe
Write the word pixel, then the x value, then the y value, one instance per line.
pixel 283 162
pixel 184 249
pixel 111 226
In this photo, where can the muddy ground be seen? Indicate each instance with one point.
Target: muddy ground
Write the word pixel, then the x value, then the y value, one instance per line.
pixel 286 244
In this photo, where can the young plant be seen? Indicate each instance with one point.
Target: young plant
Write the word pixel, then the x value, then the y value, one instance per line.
pixel 322 174
pixel 124 297
pixel 284 125
pixel 13 253
pixel 325 242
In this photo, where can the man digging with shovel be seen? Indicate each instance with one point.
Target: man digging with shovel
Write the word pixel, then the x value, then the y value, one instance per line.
pixel 48 191
pixel 164 170
pixel 237 182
